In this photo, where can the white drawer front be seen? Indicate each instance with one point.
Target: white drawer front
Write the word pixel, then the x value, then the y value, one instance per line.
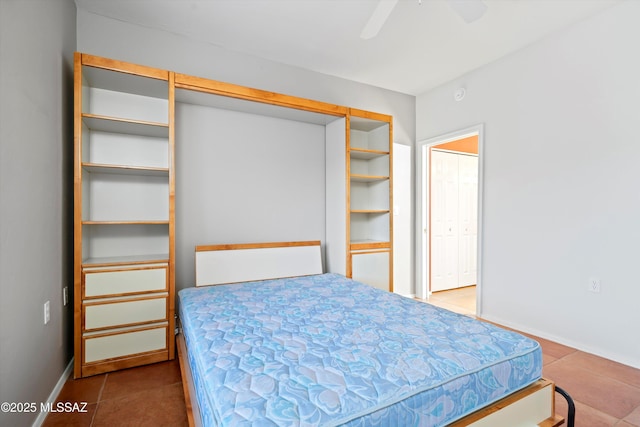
pixel 101 283
pixel 124 313
pixel 371 268
pixel 127 343
pixel 531 410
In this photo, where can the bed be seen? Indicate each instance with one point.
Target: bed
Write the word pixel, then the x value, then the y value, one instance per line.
pixel 268 339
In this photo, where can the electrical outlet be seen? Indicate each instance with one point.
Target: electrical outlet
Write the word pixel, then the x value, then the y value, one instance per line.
pixel 65 295
pixel 47 312
pixel 594 285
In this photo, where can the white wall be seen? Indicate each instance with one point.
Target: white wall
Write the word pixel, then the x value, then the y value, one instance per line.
pixel 37 40
pixel 102 36
pixel 561 172
pixel 403 221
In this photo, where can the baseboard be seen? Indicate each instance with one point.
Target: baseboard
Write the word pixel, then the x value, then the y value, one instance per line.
pixel 564 341
pixel 54 393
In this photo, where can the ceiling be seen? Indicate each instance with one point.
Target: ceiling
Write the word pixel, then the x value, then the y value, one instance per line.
pixel 420 46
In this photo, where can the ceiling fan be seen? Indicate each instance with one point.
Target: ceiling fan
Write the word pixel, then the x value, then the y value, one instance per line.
pixel 468 10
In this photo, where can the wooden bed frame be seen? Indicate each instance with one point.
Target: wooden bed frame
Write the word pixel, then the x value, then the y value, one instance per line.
pixel 219 264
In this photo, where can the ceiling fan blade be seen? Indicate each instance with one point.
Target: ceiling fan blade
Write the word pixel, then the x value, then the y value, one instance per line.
pixel 378 18
pixel 469 10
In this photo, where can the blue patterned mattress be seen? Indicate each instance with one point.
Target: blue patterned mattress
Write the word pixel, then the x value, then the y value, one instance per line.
pixel 325 350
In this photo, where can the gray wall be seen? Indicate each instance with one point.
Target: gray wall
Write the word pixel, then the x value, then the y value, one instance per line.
pixel 37 40
pixel 102 36
pixel 244 178
pixel 561 203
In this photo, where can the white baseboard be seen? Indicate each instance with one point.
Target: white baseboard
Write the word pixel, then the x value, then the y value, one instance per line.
pixel 54 393
pixel 564 341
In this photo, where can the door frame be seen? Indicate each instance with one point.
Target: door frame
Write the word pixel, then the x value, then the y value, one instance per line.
pixel 423 161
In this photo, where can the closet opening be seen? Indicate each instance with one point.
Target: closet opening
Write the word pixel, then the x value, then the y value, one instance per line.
pixel 449 187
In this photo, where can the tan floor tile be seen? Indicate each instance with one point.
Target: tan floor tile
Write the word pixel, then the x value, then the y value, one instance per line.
pixel 552 348
pixel 634 417
pixel 606 367
pixel 129 381
pixel 82 390
pixel 157 407
pixel 587 416
pixel 71 419
pixel 546 359
pixel 589 388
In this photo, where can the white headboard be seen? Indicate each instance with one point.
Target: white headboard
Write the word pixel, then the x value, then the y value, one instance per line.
pixel 219 264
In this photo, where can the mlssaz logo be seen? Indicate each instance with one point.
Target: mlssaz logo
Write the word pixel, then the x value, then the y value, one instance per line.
pixel 63 407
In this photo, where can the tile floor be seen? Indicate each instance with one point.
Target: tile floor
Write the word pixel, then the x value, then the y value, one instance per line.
pixel 146 396
pixel 606 393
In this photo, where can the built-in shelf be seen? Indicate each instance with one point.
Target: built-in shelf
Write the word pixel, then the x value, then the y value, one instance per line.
pixel 110 75
pixel 125 169
pixel 124 215
pixel 370 211
pixel 366 154
pixel 125 126
pixel 370 198
pixel 125 260
pixel 125 222
pixel 363 244
pixel 368 178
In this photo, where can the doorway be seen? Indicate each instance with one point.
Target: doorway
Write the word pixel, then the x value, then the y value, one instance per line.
pixel 453 201
pixel 449 188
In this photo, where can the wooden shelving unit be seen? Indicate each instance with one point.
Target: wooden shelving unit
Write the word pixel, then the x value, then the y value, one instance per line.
pixel 124 196
pixel 370 220
pixel 123 215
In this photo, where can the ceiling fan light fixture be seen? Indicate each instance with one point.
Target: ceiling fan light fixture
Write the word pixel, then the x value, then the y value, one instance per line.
pixel 469 10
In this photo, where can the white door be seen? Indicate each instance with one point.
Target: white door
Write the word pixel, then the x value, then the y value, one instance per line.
pixel 444 221
pixel 454 190
pixel 468 219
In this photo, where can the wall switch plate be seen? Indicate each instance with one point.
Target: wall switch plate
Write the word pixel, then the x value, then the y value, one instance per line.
pixel 47 312
pixel 594 285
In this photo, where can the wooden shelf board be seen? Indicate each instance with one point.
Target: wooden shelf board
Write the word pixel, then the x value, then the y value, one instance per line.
pixel 125 169
pixel 130 259
pixel 126 126
pixel 117 76
pixel 360 244
pixel 126 222
pixel 369 211
pixel 366 154
pixel 199 84
pixel 368 178
pixel 367 121
pixel 249 106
